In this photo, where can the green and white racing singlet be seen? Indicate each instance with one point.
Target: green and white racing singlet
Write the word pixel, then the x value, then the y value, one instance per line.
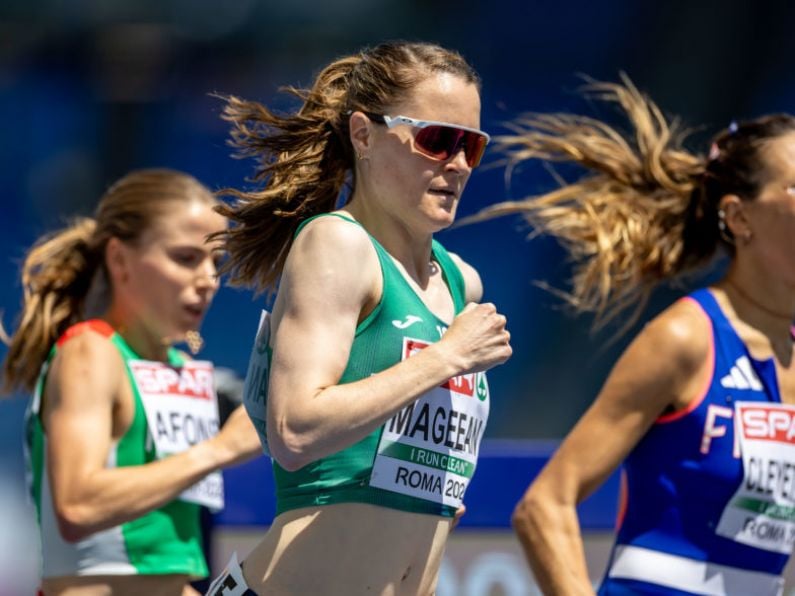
pixel 175 408
pixel 422 459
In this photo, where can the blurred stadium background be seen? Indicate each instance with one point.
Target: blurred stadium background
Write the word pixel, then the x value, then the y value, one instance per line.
pixel 90 89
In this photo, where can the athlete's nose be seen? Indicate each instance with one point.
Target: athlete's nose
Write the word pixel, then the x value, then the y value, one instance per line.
pixel 207 276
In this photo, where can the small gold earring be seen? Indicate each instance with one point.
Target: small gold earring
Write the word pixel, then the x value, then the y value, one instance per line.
pixel 194 341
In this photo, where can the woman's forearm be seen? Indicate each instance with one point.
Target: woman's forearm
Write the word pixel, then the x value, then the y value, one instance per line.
pixel 341 415
pixel 109 497
pixel 552 542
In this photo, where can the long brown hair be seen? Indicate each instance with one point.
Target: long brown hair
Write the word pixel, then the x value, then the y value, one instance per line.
pixel 64 268
pixel 647 209
pixel 306 158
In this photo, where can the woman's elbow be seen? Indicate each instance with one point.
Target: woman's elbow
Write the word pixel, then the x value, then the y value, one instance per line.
pixel 289 451
pixel 521 514
pixel 288 460
pixel 531 507
pixel 73 523
pixel 293 442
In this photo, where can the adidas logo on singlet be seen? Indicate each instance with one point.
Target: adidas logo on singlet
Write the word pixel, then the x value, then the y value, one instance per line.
pixel 741 376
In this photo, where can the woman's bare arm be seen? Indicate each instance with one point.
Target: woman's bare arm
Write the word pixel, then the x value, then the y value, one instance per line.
pixel 666 365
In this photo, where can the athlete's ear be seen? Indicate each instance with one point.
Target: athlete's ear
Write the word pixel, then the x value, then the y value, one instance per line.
pixel 361 130
pixel 733 215
pixel 117 261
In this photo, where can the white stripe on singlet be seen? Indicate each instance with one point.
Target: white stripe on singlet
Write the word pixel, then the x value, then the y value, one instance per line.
pixel 701 577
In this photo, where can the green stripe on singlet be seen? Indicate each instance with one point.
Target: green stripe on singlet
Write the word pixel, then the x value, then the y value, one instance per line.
pixel 429 458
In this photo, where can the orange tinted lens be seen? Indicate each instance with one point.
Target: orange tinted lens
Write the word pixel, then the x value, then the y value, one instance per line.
pixel 438 142
pixel 442 142
pixel 474 146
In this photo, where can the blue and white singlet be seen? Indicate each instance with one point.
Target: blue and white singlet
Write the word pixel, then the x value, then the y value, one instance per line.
pixel 710 490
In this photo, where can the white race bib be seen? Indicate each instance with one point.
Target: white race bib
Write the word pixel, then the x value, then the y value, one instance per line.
pixel 429 449
pixel 181 410
pixel 762 511
pixel 255 390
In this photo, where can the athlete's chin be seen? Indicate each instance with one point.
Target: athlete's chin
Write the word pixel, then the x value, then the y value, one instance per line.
pixel 180 331
pixel 442 219
pixel 441 207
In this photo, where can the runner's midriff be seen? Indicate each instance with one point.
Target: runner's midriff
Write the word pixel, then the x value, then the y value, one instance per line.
pixel 354 548
pixel 124 585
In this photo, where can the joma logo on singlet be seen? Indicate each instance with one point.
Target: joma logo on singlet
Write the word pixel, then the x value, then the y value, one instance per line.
pixel 407 322
pixel 462 384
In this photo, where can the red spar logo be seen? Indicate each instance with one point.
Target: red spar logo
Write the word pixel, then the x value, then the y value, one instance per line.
pixel 462 384
pixel 768 423
pixel 192 380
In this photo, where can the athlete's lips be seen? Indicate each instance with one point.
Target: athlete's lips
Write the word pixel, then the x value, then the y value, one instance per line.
pixel 195 310
pixel 445 191
pixel 447 198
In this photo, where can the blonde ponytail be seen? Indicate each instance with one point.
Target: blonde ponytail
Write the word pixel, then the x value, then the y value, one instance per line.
pixel 623 222
pixel 56 275
pixel 63 275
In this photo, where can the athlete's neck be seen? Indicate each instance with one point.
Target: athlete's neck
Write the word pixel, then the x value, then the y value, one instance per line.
pixel 412 249
pixel 758 299
pixel 142 341
pixel 753 305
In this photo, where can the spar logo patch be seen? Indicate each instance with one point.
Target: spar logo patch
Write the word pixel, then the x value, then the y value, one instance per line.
pixel 462 384
pixel 192 380
pixel 768 423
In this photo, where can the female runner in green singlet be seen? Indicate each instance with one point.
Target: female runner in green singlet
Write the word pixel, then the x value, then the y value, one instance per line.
pixel 105 300
pixel 370 393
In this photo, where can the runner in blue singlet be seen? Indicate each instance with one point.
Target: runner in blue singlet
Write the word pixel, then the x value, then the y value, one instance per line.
pixel 701 406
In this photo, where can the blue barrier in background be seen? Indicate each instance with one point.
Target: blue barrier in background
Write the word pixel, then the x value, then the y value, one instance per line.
pixel 505 467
